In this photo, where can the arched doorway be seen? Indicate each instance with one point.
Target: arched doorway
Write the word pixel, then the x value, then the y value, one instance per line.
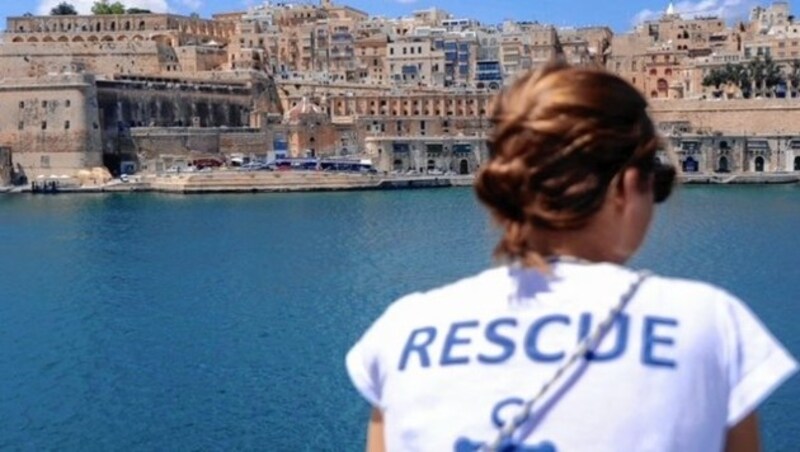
pixel 759 164
pixel 397 165
pixel 431 165
pixel 463 167
pixel 690 165
pixel 723 166
pixel 797 163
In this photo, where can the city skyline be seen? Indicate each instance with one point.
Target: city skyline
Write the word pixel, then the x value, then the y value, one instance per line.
pixel 620 16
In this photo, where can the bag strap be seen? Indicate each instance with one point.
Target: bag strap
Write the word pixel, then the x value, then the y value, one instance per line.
pixel 504 440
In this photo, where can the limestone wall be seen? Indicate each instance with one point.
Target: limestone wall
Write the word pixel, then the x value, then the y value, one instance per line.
pixel 5 166
pixel 738 117
pixel 150 143
pixel 50 123
pixel 101 58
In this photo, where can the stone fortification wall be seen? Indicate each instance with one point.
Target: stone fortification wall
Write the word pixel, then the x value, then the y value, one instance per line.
pixel 5 166
pixel 179 29
pixel 194 59
pixel 50 123
pixel 151 143
pixel 736 117
pixel 100 58
pixel 127 104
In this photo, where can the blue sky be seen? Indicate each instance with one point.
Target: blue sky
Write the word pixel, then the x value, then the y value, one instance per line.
pixel 619 14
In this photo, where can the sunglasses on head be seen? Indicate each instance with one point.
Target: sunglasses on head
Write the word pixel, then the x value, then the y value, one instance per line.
pixel 663 180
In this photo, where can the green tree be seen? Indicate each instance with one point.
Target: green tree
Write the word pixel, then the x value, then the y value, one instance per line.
pixel 64 9
pixel 716 77
pixel 138 11
pixel 740 77
pixel 102 7
pixel 793 78
pixel 765 74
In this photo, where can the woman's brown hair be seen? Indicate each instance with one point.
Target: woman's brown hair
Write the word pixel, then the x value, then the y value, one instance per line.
pixel 561 135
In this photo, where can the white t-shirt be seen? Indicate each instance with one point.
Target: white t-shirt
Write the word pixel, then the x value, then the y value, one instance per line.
pixel 683 363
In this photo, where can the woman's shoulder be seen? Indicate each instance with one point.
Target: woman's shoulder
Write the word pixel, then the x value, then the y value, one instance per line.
pixel 475 290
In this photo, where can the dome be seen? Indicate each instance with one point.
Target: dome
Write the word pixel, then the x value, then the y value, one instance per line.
pixel 305 107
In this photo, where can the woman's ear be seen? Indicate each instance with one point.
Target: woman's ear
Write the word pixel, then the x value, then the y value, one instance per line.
pixel 633 186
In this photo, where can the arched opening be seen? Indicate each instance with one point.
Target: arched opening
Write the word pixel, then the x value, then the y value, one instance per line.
pixel 690 165
pixel 63 39
pixel 137 38
pixel 77 39
pixel 161 39
pixel 797 163
pixel 127 25
pixel 654 94
pixel 18 39
pixel 31 39
pixel 92 39
pixel 662 85
pixel 723 145
pixel 463 167
pixel 107 39
pixel 723 166
pixel 668 72
pixel 141 25
pixel 122 38
pixel 431 165
pixel 653 71
pixel 759 163
pixel 113 26
pixel 48 39
pixel 397 165
pixel 97 27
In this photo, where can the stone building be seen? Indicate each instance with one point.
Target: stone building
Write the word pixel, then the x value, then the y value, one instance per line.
pixel 585 45
pixel 413 60
pixel 737 154
pixel 6 166
pixel 51 124
pixel 142 117
pixel 427 154
pixel 114 44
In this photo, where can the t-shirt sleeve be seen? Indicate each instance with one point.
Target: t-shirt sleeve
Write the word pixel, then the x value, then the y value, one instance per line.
pixel 757 364
pixel 363 361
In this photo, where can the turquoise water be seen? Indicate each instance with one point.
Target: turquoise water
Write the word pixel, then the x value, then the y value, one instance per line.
pixel 147 322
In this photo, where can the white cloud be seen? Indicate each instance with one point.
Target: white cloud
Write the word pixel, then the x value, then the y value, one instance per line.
pixel 85 6
pixel 406 2
pixel 726 9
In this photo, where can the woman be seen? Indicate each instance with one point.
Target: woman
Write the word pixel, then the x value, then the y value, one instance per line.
pixel 564 348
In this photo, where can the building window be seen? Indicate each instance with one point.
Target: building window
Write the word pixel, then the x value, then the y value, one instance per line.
pixel 22 105
pixel 44 125
pixel 66 125
pixel 44 161
pixel 68 103
pixel 44 104
pixel 21 125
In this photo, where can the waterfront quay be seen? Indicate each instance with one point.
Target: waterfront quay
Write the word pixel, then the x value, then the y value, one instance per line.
pixel 233 181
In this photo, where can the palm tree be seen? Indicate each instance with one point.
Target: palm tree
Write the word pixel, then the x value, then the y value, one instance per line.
pixel 738 76
pixel 765 75
pixel 755 69
pixel 773 77
pixel 793 77
pixel 716 77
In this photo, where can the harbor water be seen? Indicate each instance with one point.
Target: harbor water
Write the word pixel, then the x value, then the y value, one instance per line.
pixel 183 323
